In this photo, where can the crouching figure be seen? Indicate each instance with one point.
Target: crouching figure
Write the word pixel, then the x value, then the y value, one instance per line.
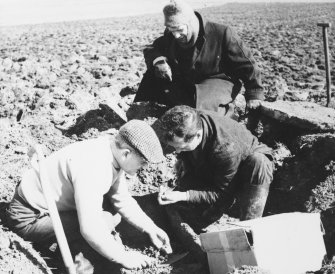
pixel 219 161
pixel 80 174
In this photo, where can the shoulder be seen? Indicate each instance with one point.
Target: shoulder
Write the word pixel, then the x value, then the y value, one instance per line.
pixel 94 154
pixel 211 27
pixel 95 145
pixel 92 163
pixel 218 119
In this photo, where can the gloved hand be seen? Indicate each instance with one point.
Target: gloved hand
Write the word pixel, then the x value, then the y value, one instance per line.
pixel 163 70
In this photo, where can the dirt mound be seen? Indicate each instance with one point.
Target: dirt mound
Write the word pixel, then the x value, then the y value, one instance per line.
pixel 18 256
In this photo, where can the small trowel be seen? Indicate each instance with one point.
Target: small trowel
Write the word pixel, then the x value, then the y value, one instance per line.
pixel 173 258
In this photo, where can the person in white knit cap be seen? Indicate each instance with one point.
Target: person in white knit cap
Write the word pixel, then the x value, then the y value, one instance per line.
pixel 80 175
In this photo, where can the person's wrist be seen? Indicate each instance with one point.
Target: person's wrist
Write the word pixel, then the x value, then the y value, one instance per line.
pixel 149 227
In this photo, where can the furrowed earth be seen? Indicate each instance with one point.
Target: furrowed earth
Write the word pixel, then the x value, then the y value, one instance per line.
pixel 66 82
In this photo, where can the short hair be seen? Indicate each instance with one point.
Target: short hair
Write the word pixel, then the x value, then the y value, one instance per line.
pixel 180 121
pixel 176 7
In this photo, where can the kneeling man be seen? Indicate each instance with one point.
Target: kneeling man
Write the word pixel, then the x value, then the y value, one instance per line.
pixel 220 160
pixel 80 174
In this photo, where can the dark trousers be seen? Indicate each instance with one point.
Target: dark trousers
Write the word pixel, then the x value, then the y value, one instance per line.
pixel 210 94
pixel 36 227
pixel 164 92
pixel 254 178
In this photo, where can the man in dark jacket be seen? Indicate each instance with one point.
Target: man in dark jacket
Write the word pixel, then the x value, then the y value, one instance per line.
pixel 220 159
pixel 198 63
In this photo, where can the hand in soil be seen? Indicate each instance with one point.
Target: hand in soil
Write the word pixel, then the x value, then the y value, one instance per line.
pixel 161 240
pixel 136 260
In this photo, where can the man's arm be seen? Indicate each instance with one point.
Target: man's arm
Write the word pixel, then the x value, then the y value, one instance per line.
pixel 243 65
pixel 132 213
pixel 156 51
pixel 226 161
pixel 88 198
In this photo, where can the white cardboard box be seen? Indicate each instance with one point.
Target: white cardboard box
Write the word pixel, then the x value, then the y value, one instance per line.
pixel 289 243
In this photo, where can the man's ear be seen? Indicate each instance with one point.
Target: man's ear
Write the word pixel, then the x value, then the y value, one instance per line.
pixel 126 152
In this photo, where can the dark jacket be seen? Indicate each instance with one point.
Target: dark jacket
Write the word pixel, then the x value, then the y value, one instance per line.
pixel 218 53
pixel 215 162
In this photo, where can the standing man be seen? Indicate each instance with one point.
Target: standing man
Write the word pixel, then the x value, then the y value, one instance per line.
pixel 198 63
pixel 80 174
pixel 220 160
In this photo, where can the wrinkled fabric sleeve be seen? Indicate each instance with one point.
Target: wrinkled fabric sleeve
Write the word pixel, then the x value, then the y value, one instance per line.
pixel 126 205
pixel 243 65
pixel 225 167
pixel 155 50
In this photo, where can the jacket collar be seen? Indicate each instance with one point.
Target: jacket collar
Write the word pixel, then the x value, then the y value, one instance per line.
pixel 200 154
pixel 201 40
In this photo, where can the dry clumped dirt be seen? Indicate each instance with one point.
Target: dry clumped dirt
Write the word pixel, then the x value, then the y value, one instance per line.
pixel 66 82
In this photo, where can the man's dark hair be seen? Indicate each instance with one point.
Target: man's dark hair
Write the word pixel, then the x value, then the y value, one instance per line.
pixel 180 121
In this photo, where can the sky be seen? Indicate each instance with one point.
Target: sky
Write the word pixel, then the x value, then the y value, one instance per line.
pixel 17 12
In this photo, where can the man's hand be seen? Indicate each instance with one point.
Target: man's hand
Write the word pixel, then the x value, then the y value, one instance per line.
pixel 171 197
pixel 163 70
pixel 136 260
pixel 253 104
pixel 160 239
pixel 83 266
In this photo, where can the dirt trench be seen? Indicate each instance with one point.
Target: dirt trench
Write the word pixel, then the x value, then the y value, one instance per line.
pixel 304 181
pixel 54 76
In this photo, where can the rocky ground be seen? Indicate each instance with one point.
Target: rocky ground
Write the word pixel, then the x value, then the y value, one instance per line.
pixel 60 82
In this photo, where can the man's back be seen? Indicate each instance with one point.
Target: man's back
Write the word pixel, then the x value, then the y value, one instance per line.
pixel 225 144
pixel 64 167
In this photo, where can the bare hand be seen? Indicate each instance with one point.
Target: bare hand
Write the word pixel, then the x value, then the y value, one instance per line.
pixel 253 104
pixel 136 260
pixel 163 70
pixel 83 266
pixel 171 197
pixel 161 240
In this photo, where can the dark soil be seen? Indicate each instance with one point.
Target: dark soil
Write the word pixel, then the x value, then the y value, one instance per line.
pixel 56 78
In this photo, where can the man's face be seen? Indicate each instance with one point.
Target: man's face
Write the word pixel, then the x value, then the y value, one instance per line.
pixel 132 163
pixel 180 145
pixel 180 33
